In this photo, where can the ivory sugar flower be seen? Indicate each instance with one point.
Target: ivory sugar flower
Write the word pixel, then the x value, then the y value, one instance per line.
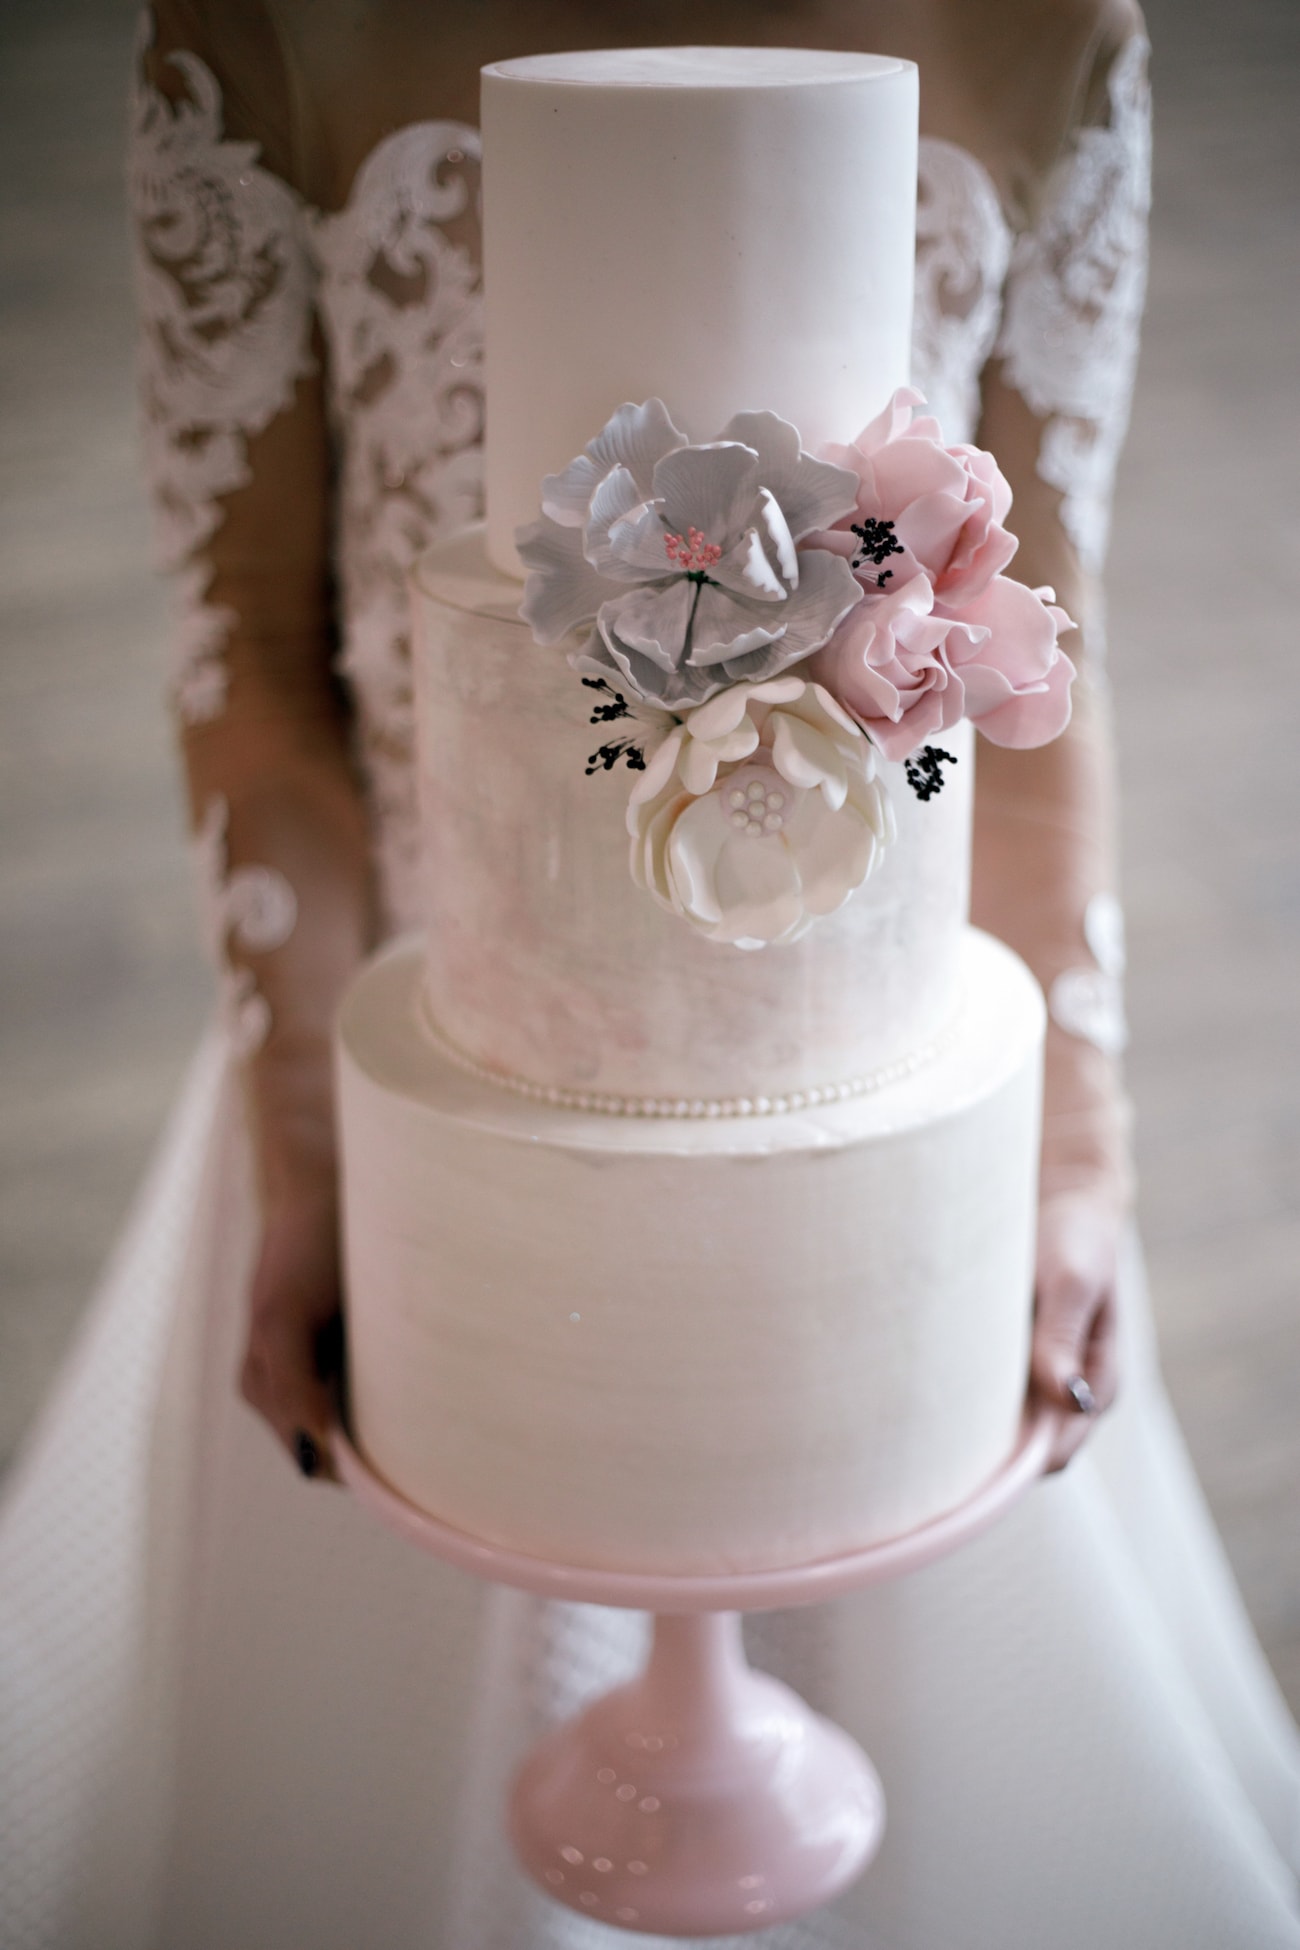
pixel 683 560
pixel 758 813
pixel 941 633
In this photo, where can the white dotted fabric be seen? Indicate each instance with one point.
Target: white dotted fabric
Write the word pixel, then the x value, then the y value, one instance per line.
pixel 235 1714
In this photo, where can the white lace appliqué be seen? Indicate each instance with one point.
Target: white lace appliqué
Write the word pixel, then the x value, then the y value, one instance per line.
pixel 400 300
pixel 252 909
pixel 1089 1002
pixel 1073 305
pixel 963 242
pixel 224 291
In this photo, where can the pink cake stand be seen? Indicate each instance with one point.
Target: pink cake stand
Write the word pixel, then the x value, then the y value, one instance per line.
pixel 703 1798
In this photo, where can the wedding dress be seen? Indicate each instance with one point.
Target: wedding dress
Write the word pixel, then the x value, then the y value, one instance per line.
pixel 237 1714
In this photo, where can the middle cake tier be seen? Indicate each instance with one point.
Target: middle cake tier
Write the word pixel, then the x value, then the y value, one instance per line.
pixel 548 967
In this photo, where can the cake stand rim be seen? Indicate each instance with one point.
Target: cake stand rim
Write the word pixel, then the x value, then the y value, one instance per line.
pixel 807 1584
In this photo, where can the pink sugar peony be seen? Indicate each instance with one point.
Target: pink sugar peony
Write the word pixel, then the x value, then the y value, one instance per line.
pixel 922 508
pixel 884 665
pixel 941 634
pixel 906 667
pixel 1017 679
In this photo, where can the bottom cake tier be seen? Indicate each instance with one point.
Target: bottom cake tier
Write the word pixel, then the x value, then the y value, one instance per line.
pixel 689 1344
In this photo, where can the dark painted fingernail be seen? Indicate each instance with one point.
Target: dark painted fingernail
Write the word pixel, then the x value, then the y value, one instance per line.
pixel 327 1349
pixel 306 1454
pixel 1081 1394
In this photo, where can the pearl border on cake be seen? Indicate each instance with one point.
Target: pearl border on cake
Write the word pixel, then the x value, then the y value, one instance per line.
pixel 817 1097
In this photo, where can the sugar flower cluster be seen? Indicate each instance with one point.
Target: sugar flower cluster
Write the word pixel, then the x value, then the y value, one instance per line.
pixel 940 634
pixel 770 621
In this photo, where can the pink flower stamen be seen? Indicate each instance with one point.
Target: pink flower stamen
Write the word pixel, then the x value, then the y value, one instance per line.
pixel 692 555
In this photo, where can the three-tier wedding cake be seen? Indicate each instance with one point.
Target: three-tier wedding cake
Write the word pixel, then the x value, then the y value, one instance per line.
pixel 689 1208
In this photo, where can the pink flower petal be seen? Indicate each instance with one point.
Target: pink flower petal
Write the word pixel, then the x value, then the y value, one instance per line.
pixel 1026 720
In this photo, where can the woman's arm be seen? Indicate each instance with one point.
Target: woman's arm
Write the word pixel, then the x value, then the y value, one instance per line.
pixel 1044 853
pixel 240 468
pixel 1055 403
pixel 278 759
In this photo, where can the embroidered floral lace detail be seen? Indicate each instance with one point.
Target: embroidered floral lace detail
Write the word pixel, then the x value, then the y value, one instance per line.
pixel 400 301
pixel 224 292
pixel 963 243
pixel 252 909
pixel 1089 1002
pixel 1073 305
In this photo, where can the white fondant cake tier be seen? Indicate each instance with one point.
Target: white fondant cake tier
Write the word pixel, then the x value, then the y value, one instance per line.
pixel 546 963
pixel 682 1345
pixel 729 228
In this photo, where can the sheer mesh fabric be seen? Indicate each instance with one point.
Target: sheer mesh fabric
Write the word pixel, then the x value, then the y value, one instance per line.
pixel 239 460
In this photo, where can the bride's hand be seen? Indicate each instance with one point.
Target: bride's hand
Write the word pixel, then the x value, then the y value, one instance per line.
pixel 294 1336
pixel 311 829
pixel 1074 1360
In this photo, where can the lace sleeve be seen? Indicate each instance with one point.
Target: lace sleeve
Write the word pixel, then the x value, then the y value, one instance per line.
pixel 241 467
pixel 249 909
pixel 225 308
pixel 1073 303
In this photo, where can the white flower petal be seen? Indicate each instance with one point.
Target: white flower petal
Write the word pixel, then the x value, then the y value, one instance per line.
pixel 812 493
pixel 756 882
pixel 660 765
pixel 875 806
pixel 697 838
pixel 885 811
pixel 828 590
pixel 644 681
pixel 562 590
pixel 700 760
pixel 737 744
pixel 617 517
pixel 700 767
pixel 778 690
pixel 746 571
pixel 838 716
pixel 638 546
pixel 685 689
pixel 636 437
pixel 807 758
pixel 710 488
pixel 778 529
pixel 652 619
pixel 721 714
pixel 835 852
pixel 730 885
pixel 654 850
pixel 723 626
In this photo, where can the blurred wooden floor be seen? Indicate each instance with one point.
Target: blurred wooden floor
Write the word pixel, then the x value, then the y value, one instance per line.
pixel 102 989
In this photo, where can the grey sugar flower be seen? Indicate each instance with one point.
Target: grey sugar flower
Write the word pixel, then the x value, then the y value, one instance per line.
pixel 682 560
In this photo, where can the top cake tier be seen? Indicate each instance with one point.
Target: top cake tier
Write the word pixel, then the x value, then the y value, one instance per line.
pixel 729 229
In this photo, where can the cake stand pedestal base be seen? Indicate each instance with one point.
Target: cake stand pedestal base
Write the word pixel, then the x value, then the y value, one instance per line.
pixel 702 1798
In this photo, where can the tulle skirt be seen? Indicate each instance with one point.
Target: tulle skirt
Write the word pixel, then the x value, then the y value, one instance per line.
pixel 238 1715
